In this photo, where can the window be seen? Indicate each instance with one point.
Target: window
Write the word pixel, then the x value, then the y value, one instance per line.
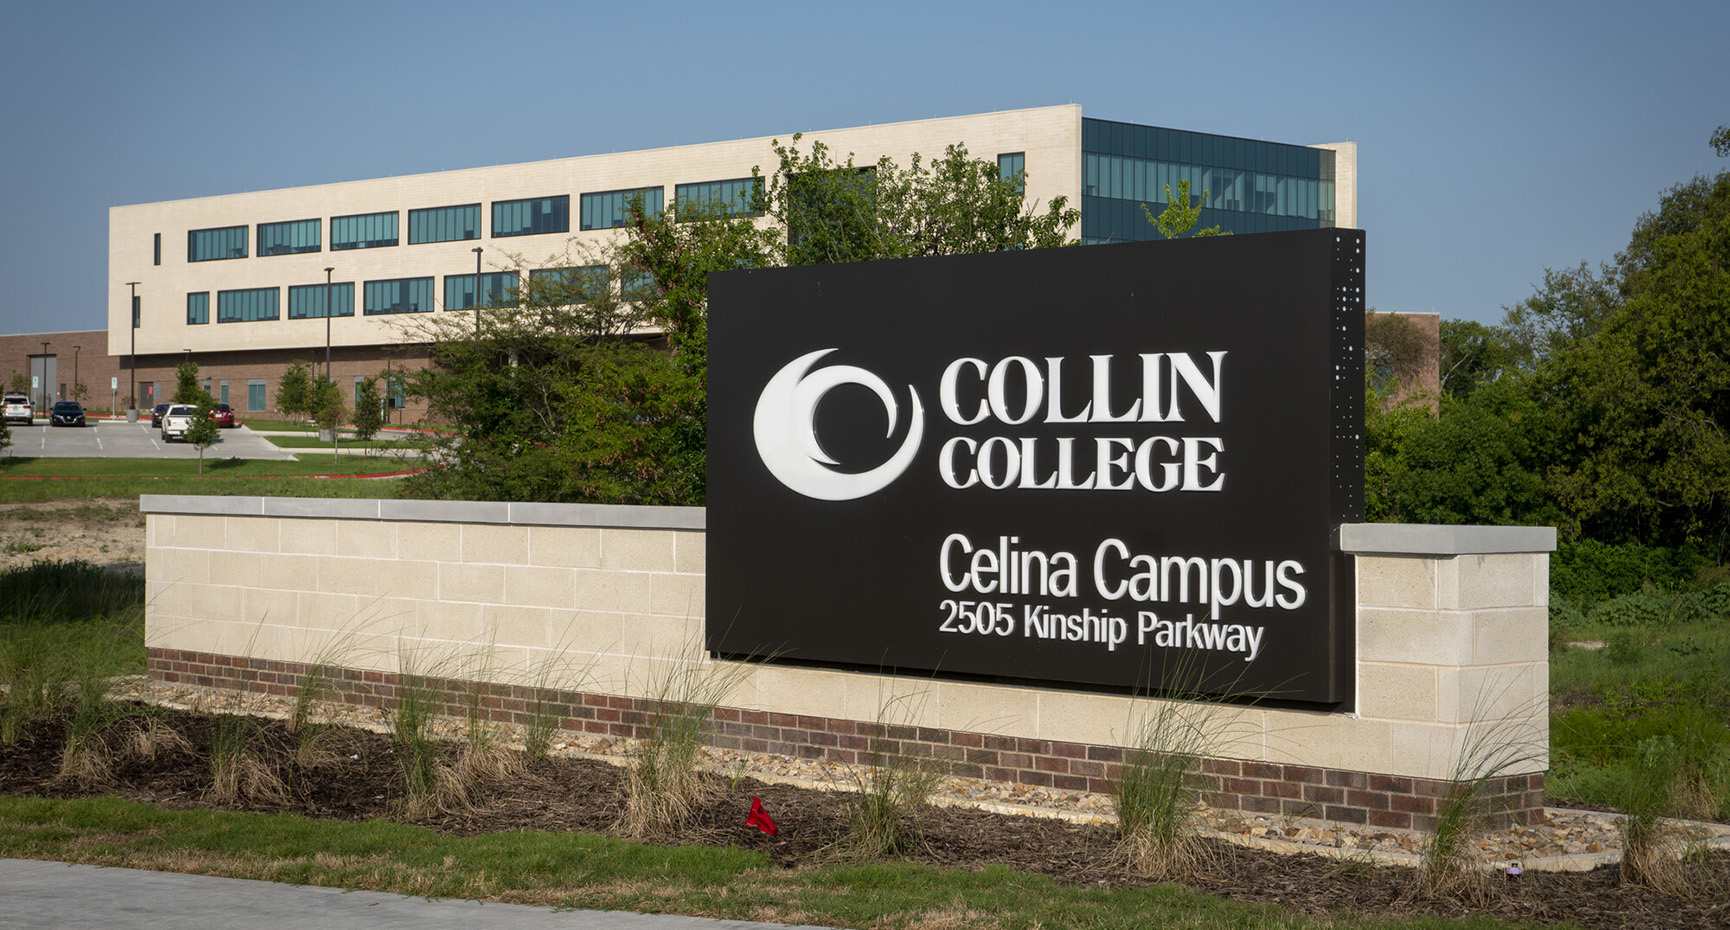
pixel 1010 165
pixel 561 286
pixel 395 392
pixel 209 245
pixel 248 306
pixel 444 224
pixel 156 250
pixel 529 217
pixel 362 231
pixel 223 386
pixel 289 238
pixel 498 290
pixel 738 197
pixel 135 307
pixel 306 301
pixel 204 385
pixel 255 395
pixel 402 295
pixel 607 210
pixel 357 381
pixel 198 308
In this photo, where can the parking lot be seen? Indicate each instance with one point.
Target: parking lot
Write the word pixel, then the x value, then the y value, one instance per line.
pixel 121 440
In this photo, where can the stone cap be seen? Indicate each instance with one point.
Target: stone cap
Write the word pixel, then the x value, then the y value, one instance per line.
pixel 1425 539
pixel 500 512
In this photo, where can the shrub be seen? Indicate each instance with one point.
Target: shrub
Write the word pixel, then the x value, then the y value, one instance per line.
pixel 1588 571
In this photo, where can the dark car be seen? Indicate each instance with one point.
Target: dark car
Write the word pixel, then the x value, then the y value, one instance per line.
pixel 223 416
pixel 66 413
pixel 156 413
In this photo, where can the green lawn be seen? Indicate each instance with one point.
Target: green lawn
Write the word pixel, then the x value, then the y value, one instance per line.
pixel 586 871
pixel 1651 689
pixel 77 478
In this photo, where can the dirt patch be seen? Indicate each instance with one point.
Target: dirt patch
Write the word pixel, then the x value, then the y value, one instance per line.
pixel 108 532
pixel 358 779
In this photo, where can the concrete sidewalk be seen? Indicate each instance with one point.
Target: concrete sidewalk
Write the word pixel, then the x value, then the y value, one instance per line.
pixel 38 895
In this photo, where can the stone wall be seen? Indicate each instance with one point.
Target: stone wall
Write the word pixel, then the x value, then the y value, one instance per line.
pixel 596 605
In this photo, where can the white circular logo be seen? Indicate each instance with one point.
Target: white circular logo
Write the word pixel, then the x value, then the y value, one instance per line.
pixel 786 430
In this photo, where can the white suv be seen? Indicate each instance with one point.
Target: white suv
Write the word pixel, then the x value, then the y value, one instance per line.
pixel 18 408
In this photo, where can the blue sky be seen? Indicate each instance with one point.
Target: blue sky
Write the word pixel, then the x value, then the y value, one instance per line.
pixel 1495 139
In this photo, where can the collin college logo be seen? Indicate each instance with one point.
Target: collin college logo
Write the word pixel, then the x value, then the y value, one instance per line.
pixel 786 430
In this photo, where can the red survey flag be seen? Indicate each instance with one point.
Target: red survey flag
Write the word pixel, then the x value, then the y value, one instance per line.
pixel 760 819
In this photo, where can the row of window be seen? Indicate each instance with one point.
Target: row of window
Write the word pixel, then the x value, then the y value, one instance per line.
pixel 393 388
pixel 533 216
pixel 1121 177
pixel 402 295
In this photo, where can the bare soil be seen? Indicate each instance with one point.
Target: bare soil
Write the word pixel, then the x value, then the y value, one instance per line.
pixel 359 780
pixel 108 532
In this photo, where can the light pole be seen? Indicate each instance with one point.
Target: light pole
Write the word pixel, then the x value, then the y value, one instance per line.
pixel 45 389
pixel 132 354
pixel 330 383
pixel 75 350
pixel 477 251
pixel 328 312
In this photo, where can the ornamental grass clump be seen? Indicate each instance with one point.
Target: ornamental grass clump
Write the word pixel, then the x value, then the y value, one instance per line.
pixel 430 785
pixel 1658 853
pixel 663 788
pixel 1451 865
pixel 1155 796
pixel 892 786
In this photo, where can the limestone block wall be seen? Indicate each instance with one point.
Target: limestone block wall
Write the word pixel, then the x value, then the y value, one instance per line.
pixel 594 604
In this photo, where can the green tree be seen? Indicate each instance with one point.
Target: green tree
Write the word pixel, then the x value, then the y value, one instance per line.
pixel 368 410
pixel 1563 314
pixel 1650 390
pixel 1180 214
pixel 1396 353
pixel 328 409
pixel 841 212
pixel 294 395
pixel 187 390
pixel 1473 355
pixel 203 432
pixel 1721 141
pixel 20 382
pixel 5 434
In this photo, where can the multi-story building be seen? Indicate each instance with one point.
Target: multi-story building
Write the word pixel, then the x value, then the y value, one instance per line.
pixel 239 283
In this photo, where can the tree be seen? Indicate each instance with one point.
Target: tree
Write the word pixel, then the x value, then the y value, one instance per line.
pixel 841 212
pixel 1472 355
pixel 368 410
pixel 1397 355
pixel 1180 215
pixel 203 431
pixel 80 391
pixel 20 382
pixel 294 395
pixel 1562 314
pixel 328 409
pixel 187 390
pixel 1650 390
pixel 1721 141
pixel 564 396
pixel 5 434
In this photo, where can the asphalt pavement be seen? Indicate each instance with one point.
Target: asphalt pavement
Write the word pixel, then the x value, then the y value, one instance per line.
pixel 38 895
pixel 119 439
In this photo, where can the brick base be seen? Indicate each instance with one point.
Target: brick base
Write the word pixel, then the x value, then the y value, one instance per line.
pixel 1227 784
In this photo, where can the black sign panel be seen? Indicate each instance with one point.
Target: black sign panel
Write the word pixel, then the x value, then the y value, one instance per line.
pixel 1089 466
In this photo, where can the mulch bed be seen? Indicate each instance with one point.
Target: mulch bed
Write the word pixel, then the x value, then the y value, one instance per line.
pixel 359 781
